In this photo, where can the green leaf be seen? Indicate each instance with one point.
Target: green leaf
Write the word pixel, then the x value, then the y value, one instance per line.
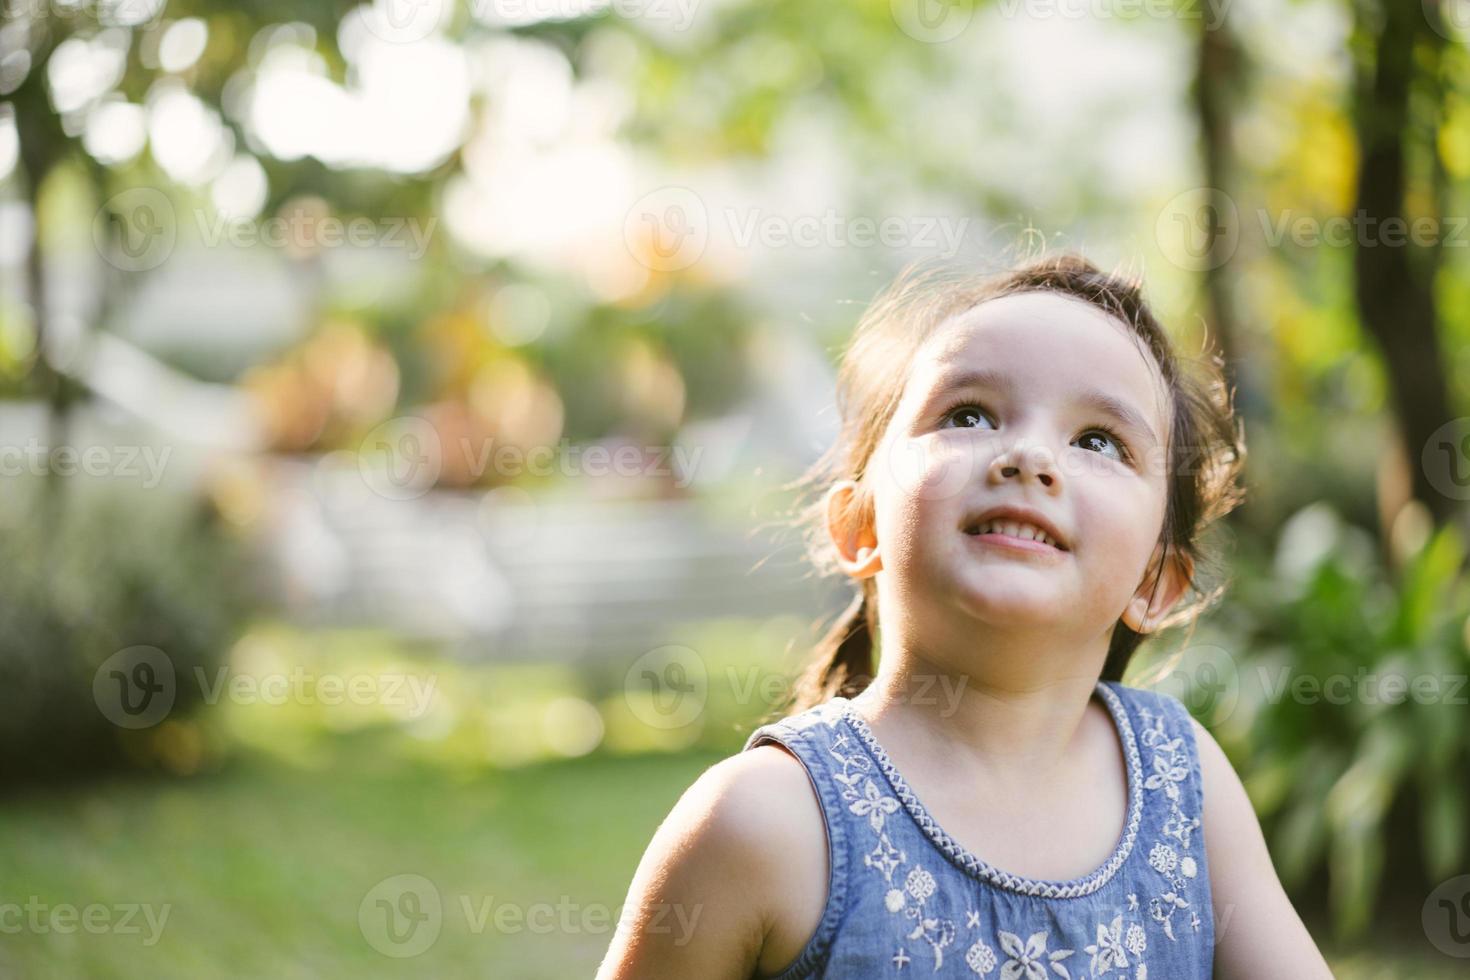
pixel 1355 869
pixel 1300 839
pixel 1427 581
pixel 1361 796
pixel 1444 827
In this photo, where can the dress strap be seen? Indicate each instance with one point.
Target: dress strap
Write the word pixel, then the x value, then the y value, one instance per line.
pixel 809 737
pixel 1173 789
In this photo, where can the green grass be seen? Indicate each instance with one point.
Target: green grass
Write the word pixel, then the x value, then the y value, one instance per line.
pixel 264 867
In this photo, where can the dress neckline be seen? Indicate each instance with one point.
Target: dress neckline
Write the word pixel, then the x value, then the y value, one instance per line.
pixel 968 861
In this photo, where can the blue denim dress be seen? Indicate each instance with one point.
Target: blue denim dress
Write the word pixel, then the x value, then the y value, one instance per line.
pixel 903 896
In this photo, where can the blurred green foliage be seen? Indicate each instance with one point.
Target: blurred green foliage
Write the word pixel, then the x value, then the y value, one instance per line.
pixel 1341 698
pixel 111 569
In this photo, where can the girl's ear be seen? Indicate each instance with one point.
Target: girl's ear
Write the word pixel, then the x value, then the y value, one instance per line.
pixel 1143 616
pixel 851 533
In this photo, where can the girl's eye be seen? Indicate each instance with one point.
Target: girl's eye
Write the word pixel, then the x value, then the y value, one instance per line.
pixel 1105 436
pixel 964 417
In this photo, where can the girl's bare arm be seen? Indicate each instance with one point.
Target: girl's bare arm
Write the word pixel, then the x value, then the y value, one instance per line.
pixel 1258 934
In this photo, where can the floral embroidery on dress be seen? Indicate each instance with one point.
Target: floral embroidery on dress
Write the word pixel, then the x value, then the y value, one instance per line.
pixel 885 857
pixel 1169 767
pixel 938 933
pixel 874 805
pixel 1115 941
pixel 870 789
pixel 1107 952
pixel 1180 827
pixel 980 958
pixel 1029 960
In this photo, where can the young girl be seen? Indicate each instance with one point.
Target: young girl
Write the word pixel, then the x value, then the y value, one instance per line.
pixel 1023 477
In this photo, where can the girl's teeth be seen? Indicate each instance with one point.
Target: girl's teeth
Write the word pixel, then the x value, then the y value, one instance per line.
pixel 1023 531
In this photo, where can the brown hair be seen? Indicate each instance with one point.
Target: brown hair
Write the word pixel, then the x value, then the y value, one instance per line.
pixel 1206 442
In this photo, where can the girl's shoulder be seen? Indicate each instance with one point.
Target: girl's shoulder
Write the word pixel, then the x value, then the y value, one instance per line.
pixel 745 805
pixel 740 788
pixel 739 862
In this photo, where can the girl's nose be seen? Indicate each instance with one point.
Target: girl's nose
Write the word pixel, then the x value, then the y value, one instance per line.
pixel 1027 462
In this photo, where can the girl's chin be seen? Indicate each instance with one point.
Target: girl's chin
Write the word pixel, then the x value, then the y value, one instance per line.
pixel 1015 606
pixel 1012 580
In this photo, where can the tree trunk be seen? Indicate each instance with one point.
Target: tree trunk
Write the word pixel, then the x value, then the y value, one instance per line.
pixel 42 144
pixel 1395 282
pixel 1215 65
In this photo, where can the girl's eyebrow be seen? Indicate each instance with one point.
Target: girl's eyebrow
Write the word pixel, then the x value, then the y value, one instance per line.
pixel 1093 398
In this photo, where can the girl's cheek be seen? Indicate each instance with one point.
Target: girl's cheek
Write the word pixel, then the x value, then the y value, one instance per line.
pixel 929 468
pixel 1110 525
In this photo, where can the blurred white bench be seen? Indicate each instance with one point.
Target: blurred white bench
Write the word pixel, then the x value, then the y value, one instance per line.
pixel 543 579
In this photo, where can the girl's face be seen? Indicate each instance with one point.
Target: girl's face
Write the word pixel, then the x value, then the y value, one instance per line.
pixel 1034 400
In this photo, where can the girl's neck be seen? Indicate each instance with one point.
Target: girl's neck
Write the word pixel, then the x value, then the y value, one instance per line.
pixel 1012 725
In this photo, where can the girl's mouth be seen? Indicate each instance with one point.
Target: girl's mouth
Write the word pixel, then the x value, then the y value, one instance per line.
pixel 993 535
pixel 1016 523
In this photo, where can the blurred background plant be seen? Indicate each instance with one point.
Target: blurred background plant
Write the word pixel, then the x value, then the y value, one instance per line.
pixel 472 345
pixel 1343 707
pixel 114 570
